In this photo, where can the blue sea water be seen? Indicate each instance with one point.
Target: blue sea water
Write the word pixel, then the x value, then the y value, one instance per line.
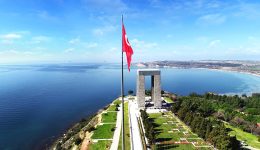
pixel 39 102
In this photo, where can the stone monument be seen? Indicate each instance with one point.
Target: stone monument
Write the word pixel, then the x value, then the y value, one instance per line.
pixel 155 87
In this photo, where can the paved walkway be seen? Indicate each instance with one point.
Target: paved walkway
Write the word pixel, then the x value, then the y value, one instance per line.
pixel 136 137
pixel 116 136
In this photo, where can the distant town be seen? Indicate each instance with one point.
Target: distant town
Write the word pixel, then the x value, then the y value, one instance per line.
pixel 251 67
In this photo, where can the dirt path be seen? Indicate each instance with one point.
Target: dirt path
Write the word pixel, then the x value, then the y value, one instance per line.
pixel 86 141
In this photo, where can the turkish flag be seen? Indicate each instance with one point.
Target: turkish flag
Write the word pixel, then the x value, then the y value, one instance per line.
pixel 126 47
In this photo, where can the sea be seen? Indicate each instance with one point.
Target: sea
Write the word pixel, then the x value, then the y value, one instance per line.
pixel 38 103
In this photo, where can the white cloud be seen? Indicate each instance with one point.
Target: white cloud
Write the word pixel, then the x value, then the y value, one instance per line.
pixel 46 16
pixel 74 41
pixel 214 43
pixel 91 45
pixel 103 30
pixel 11 36
pixel 116 6
pixel 248 10
pixel 211 19
pixel 40 39
pixel 202 39
pixel 143 45
pixel 69 50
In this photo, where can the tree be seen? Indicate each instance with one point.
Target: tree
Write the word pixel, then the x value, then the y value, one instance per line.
pixel 234 143
pixel 148 92
pixel 130 92
pixel 78 141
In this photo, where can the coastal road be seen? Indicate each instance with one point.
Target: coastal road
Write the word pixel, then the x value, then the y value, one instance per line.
pixel 134 128
pixel 116 136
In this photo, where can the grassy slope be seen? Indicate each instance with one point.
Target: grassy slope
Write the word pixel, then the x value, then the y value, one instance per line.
pixel 104 132
pixel 109 117
pixel 117 102
pixel 250 139
pixel 127 131
pixel 100 145
pixel 111 108
pixel 168 100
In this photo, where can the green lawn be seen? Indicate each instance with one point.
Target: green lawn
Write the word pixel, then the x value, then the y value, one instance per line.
pixel 250 139
pixel 104 131
pixel 109 117
pixel 163 135
pixel 127 131
pixel 111 108
pixel 117 101
pixel 100 145
pixel 168 100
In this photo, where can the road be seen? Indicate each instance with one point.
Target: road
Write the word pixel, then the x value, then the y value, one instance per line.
pixel 116 136
pixel 134 128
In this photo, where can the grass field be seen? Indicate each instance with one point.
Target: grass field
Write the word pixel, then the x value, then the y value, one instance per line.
pixel 250 139
pixel 111 108
pixel 168 100
pixel 117 101
pixel 127 131
pixel 104 131
pixel 100 145
pixel 169 130
pixel 109 117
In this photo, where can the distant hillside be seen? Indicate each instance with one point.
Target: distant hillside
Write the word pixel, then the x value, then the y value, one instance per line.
pixel 252 67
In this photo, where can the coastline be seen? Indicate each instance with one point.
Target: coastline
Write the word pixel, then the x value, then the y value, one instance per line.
pixel 79 130
pixel 89 119
pixel 237 71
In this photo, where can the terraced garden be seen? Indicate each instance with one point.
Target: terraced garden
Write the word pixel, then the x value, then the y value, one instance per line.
pixel 103 133
pixel 171 133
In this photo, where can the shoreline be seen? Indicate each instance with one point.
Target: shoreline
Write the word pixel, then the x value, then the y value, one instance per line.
pixel 52 144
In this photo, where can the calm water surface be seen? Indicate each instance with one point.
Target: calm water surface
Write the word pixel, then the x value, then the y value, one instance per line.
pixel 37 103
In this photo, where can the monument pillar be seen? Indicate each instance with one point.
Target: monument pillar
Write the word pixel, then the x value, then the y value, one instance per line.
pixel 152 88
pixel 157 91
pixel 140 91
pixel 155 87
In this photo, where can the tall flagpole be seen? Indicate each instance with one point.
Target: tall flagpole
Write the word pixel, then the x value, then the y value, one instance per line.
pixel 122 94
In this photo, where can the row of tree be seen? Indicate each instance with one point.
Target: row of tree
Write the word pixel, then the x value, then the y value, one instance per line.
pixel 194 112
pixel 240 111
pixel 148 126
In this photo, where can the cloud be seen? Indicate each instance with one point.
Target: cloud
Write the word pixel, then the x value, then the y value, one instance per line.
pixel 111 6
pixel 74 41
pixel 40 39
pixel 91 45
pixel 15 56
pixel 214 43
pixel 248 10
pixel 211 19
pixel 69 50
pixel 46 16
pixel 11 36
pixel 143 45
pixel 103 30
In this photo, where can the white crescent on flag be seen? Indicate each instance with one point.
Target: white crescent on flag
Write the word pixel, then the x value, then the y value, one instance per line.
pixel 126 40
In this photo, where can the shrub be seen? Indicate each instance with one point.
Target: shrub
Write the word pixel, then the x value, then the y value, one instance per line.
pixel 78 141
pixel 130 92
pixel 113 129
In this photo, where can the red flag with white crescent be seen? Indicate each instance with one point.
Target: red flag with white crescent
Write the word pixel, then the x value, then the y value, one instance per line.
pixel 126 47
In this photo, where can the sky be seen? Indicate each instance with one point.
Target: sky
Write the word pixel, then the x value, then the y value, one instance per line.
pixel 72 31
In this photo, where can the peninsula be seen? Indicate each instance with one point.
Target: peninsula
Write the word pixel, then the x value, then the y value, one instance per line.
pixel 251 67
